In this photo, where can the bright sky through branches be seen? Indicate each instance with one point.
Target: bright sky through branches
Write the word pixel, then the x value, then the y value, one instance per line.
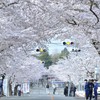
pixel 56 46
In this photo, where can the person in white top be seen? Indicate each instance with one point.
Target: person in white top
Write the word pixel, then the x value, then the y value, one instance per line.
pixel 54 88
pixel 47 88
pixel 19 90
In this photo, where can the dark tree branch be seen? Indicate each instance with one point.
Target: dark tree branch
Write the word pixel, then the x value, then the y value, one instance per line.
pixel 73 22
pixel 91 9
pixel 13 3
pixel 10 4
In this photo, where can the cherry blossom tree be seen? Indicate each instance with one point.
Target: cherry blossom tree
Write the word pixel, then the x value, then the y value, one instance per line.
pixel 77 65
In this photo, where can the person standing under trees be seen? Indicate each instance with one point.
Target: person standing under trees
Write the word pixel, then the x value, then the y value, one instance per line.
pixel 1 85
pixel 54 88
pixel 19 90
pixel 74 90
pixel 90 86
pixel 86 90
pixel 95 89
pixel 66 90
pixel 47 88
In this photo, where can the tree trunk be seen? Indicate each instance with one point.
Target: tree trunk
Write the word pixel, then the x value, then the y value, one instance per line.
pixel 10 89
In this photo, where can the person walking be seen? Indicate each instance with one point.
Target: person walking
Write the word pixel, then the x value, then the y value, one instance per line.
pixel 71 91
pixel 74 90
pixel 19 90
pixel 66 90
pixel 90 86
pixel 95 89
pixel 47 88
pixel 54 88
pixel 2 77
pixel 86 89
pixel 1 86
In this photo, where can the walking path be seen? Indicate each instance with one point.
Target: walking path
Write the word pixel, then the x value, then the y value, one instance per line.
pixel 39 93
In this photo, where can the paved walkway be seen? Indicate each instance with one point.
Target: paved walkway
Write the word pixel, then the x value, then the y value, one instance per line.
pixel 42 97
pixel 42 91
pixel 40 94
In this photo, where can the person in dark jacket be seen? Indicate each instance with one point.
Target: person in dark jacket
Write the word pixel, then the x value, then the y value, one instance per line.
pixel 2 76
pixel 86 90
pixel 66 90
pixel 95 89
pixel 54 88
pixel 74 90
pixel 90 86
pixel 1 86
pixel 71 91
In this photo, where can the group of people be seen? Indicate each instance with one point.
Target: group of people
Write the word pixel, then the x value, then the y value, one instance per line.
pixel 71 91
pixel 54 88
pixel 91 87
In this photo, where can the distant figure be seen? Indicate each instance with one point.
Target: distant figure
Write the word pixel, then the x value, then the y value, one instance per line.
pixel 19 90
pixel 95 89
pixel 2 76
pixel 74 90
pixel 71 90
pixel 66 90
pixel 1 86
pixel 54 88
pixel 47 88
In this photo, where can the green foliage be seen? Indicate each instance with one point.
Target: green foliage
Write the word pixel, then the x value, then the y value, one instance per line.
pixel 64 53
pixel 46 58
pixel 52 59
